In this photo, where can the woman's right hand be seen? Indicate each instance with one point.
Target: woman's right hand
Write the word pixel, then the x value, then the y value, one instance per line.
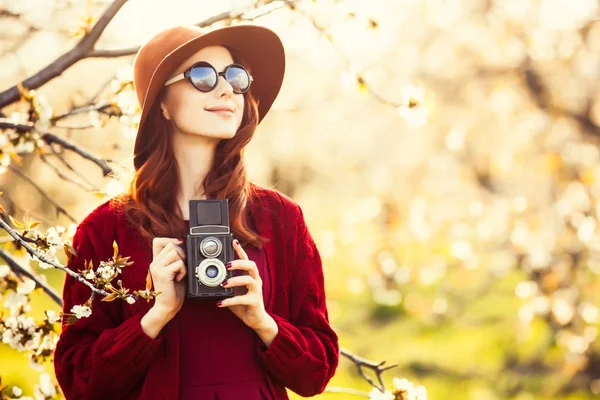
pixel 168 271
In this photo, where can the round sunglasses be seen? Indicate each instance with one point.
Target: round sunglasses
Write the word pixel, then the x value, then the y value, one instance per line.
pixel 205 77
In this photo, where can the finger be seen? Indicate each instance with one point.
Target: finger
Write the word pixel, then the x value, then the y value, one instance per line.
pixel 247 300
pixel 170 247
pixel 171 255
pixel 239 250
pixel 177 270
pixel 244 280
pixel 245 265
pixel 158 243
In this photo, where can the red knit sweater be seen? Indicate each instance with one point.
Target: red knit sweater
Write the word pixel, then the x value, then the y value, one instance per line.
pixel 108 356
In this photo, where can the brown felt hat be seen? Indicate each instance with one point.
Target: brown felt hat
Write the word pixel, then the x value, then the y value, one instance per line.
pixel 158 59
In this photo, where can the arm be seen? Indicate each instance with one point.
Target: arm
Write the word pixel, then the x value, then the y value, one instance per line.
pixel 305 353
pixel 100 356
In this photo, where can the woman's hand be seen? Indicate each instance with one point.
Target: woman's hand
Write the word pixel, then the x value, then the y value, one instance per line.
pixel 247 304
pixel 168 270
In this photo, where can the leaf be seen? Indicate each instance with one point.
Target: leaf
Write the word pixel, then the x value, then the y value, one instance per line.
pixel 34 224
pixel 69 252
pixel 116 248
pixel 149 281
pixel 111 297
pixel 71 320
pixel 16 223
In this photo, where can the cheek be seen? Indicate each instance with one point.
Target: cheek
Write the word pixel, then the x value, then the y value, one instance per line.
pixel 240 106
pixel 187 108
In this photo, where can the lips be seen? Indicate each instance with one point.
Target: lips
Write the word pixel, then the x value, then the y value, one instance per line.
pixel 220 108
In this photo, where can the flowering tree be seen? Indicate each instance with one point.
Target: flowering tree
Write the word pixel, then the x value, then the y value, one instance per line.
pixel 29 128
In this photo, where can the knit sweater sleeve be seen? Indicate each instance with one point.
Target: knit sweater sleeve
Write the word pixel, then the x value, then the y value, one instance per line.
pixel 100 356
pixel 305 353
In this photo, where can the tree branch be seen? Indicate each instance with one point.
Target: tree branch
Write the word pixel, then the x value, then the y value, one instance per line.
pixel 62 63
pixel 335 389
pixel 377 368
pixel 59 208
pixel 46 260
pixel 19 270
pixel 268 7
pixel 50 138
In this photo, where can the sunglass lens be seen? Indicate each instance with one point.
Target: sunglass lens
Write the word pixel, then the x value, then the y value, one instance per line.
pixel 203 78
pixel 238 78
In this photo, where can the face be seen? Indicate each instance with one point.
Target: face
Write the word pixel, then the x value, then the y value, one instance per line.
pixel 189 109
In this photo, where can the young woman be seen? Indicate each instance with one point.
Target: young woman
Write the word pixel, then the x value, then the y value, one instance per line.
pixel 202 96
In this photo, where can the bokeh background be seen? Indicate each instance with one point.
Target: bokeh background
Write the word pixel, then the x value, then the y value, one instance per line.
pixel 445 154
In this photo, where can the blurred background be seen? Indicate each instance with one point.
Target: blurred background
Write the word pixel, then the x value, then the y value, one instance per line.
pixel 445 154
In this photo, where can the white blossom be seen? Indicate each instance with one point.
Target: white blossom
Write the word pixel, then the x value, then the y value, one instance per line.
pixel 54 237
pixel 53 316
pixel 26 287
pixel 17 391
pixel 375 394
pixel 90 274
pixel 106 272
pixel 46 387
pixel 81 311
pixel 14 301
pixel 4 270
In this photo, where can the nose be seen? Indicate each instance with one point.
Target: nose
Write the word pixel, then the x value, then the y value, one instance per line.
pixel 223 88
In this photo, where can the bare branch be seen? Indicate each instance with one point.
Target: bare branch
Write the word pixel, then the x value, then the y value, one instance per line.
pixel 62 63
pixel 377 368
pixel 335 389
pixel 50 138
pixel 45 259
pixel 62 176
pixel 19 270
pixel 59 208
pixel 227 15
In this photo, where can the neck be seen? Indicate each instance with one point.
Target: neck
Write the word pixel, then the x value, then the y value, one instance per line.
pixel 194 155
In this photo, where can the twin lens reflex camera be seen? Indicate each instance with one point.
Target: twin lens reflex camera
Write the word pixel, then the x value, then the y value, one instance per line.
pixel 209 247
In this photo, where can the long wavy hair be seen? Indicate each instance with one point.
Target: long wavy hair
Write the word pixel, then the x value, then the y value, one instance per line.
pixel 150 202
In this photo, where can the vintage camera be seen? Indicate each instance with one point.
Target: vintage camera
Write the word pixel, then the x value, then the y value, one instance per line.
pixel 209 247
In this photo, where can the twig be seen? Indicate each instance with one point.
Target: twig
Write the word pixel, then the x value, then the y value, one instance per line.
pixel 45 259
pixel 19 270
pixel 336 389
pixel 361 363
pixel 50 138
pixel 59 208
pixel 207 22
pixel 62 176
pixel 327 36
pixel 62 63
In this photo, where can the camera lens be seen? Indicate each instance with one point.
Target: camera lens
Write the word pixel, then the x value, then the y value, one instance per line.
pixel 211 247
pixel 212 271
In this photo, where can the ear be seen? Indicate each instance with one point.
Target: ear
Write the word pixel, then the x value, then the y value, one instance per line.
pixel 165 112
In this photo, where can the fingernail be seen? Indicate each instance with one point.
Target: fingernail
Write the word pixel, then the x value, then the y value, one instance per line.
pixel 228 265
pixel 236 242
pixel 223 283
pixel 219 303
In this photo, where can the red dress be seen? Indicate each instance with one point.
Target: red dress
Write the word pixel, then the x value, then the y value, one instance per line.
pixel 213 368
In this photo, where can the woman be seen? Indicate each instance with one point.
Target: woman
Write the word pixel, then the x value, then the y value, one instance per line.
pixel 202 96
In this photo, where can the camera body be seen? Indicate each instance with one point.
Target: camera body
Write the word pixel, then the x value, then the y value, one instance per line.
pixel 209 247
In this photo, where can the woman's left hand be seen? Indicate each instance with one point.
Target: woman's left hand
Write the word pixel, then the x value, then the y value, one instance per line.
pixel 246 305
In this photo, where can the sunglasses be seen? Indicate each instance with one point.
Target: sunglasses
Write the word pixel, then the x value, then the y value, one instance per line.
pixel 205 77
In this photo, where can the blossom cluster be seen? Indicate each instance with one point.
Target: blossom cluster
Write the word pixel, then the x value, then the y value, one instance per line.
pixel 45 390
pixel 403 390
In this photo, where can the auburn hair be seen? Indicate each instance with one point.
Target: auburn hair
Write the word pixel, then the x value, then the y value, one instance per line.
pixel 150 200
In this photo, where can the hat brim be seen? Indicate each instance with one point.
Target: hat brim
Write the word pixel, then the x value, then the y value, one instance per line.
pixel 260 48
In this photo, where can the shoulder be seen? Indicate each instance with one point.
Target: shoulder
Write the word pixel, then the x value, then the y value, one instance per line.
pixel 101 223
pixel 274 201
